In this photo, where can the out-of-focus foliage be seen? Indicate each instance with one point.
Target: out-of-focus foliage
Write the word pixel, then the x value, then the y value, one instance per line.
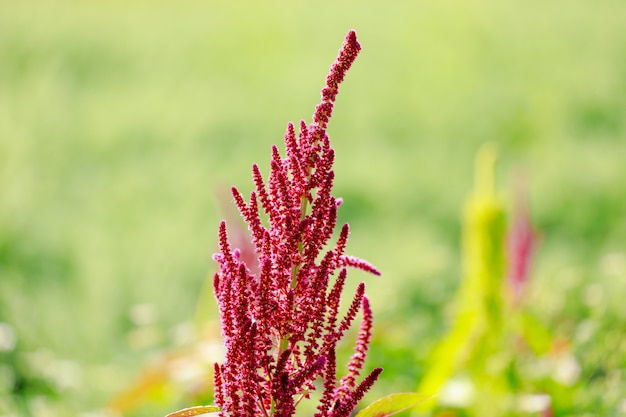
pixel 474 338
pixel 121 122
pixel 392 404
pixel 195 411
pixel 480 365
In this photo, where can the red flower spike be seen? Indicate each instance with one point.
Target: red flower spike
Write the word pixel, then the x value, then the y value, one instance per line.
pixel 241 205
pixel 345 405
pixel 521 247
pixel 351 313
pixel 360 350
pixel 334 300
pixel 341 242
pixel 280 314
pixel 217 381
pixel 261 190
pixel 359 264
pixel 330 376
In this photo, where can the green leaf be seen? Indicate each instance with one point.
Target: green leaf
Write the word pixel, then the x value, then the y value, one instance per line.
pixel 392 404
pixel 194 411
pixel 536 334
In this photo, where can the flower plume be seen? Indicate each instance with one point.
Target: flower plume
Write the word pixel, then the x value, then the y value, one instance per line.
pixel 280 317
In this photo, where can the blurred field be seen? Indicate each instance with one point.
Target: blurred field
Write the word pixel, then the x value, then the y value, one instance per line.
pixel 123 124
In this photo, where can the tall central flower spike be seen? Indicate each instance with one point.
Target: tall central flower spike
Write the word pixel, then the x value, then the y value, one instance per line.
pixel 280 317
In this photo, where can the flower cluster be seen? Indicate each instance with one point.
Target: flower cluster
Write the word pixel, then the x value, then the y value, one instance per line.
pixel 280 317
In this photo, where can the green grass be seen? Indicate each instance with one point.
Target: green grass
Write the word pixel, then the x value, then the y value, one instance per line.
pixel 122 123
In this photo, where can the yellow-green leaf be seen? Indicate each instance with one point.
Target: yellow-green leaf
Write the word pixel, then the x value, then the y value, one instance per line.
pixel 392 404
pixel 194 411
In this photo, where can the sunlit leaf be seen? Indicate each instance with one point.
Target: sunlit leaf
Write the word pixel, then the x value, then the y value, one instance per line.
pixel 535 333
pixel 194 411
pixel 392 404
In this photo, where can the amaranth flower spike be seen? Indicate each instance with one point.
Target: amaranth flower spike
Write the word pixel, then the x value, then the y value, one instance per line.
pixel 281 325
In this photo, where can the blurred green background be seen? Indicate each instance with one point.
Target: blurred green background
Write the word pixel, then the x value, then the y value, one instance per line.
pixel 124 123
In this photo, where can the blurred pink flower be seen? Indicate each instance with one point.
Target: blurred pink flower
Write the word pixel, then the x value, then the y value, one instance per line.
pixel 521 248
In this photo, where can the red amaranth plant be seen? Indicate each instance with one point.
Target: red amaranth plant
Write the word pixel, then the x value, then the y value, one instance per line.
pixel 280 318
